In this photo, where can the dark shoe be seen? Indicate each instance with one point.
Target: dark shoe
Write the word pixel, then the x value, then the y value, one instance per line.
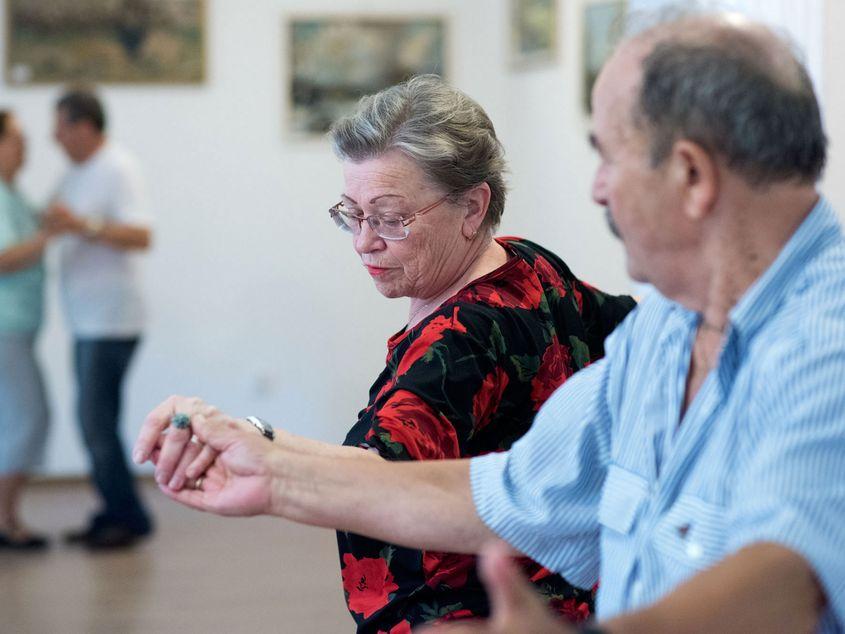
pixel 31 542
pixel 111 536
pixel 105 536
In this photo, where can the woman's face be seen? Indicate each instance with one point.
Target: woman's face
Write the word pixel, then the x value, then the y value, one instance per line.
pixel 431 258
pixel 12 148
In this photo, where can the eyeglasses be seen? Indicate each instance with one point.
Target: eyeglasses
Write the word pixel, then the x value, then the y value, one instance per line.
pixel 388 226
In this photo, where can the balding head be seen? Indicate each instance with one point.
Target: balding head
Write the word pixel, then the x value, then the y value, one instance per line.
pixel 732 86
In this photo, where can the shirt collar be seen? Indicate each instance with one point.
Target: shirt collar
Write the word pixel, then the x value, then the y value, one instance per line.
pixel 761 300
pixel 757 304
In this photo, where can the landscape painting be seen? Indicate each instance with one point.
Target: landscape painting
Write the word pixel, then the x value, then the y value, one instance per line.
pixel 334 61
pixel 105 41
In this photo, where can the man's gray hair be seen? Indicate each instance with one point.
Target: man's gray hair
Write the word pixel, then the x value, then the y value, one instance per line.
pixel 738 90
pixel 443 130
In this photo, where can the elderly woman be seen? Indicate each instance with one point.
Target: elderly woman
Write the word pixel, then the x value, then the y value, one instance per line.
pixel 495 325
pixel 23 408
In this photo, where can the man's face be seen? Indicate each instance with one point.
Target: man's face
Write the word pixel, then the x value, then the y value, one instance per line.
pixel 635 195
pixel 72 136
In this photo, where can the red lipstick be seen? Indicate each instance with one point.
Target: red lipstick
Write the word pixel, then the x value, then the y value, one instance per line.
pixel 375 271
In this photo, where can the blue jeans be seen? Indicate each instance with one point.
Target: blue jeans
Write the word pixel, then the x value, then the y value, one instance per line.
pixel 100 366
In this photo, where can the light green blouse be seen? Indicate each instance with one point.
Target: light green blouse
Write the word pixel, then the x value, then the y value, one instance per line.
pixel 21 292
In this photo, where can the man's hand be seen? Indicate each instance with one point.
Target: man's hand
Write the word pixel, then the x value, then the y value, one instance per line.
pixel 515 606
pixel 229 455
pixel 59 218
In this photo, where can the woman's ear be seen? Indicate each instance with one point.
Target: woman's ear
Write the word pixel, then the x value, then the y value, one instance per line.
pixel 477 200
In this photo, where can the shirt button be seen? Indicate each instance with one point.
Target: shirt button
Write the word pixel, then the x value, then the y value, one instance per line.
pixel 694 550
pixel 636 591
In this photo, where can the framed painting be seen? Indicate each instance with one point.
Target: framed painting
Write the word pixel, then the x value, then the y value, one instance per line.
pixel 534 32
pixel 603 26
pixel 105 41
pixel 336 60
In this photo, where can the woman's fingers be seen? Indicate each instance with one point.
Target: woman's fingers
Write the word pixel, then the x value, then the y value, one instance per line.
pixel 156 422
pixel 179 477
pixel 201 462
pixel 176 436
pixel 172 447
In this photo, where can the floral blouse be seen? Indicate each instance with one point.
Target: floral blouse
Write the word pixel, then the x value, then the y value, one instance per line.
pixel 467 381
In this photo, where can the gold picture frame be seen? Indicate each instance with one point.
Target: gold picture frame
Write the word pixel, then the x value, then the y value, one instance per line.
pixel 105 41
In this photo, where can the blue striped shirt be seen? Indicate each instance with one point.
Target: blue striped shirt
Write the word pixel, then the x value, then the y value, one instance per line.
pixel 608 485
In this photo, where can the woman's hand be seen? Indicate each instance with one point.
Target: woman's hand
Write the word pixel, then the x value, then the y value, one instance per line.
pixel 60 219
pixel 226 456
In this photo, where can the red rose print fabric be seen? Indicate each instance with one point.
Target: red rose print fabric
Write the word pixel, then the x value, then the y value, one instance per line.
pixel 367 584
pixel 466 381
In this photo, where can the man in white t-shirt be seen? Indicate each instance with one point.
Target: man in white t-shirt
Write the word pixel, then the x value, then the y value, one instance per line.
pixel 100 204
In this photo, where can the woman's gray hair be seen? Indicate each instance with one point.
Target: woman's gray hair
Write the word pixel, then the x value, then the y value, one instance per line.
pixel 443 130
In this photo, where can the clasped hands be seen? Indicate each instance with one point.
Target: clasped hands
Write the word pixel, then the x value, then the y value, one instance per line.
pixel 235 466
pixel 59 219
pixel 233 460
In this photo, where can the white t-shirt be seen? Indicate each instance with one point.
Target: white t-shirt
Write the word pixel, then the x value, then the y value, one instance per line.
pixel 100 284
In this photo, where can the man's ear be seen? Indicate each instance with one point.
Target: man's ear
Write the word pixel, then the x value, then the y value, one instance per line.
pixel 477 201
pixel 696 172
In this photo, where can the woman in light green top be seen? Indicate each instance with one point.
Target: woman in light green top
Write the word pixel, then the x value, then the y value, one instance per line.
pixel 23 408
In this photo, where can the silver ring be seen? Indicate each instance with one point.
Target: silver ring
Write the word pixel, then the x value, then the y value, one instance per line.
pixel 198 485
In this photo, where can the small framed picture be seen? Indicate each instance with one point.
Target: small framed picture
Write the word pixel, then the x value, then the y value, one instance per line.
pixel 534 32
pixel 603 27
pixel 335 60
pixel 105 41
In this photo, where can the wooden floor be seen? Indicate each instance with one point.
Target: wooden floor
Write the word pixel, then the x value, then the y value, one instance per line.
pixel 198 573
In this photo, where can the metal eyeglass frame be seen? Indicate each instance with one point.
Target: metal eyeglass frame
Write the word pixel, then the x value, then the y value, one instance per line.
pixel 335 211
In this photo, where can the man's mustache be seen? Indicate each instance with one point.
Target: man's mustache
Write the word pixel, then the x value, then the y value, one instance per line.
pixel 611 224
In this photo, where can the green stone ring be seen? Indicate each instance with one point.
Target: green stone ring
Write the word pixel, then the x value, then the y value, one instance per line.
pixel 180 421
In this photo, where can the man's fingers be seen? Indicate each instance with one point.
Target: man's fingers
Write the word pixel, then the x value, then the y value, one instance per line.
pixel 512 598
pixel 189 497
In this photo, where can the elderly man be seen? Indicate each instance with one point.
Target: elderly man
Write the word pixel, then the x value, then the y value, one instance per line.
pixel 698 469
pixel 100 204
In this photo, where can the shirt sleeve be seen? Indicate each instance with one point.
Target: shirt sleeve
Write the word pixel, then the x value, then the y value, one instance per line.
pixel 791 489
pixel 542 496
pixel 129 198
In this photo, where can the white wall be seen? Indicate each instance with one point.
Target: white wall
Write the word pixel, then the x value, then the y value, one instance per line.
pixel 833 99
pixel 257 303
pixel 552 163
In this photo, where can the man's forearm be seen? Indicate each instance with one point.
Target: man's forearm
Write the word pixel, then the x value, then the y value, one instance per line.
pixel 125 237
pixel 762 588
pixel 416 504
